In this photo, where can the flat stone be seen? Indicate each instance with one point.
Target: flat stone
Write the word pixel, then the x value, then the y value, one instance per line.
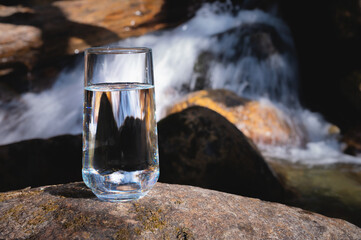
pixel 71 211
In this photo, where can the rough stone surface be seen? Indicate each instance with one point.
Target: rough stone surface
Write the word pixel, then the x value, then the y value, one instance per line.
pixel 262 122
pixel 199 147
pixel 168 212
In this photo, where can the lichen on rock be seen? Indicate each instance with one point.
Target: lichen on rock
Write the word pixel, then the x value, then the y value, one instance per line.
pixel 199 214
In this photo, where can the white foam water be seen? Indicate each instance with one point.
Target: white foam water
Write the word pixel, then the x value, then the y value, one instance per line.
pixel 321 148
pixel 55 111
pixel 58 110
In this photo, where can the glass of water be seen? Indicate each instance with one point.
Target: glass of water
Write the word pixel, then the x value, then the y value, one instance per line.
pixel 120 144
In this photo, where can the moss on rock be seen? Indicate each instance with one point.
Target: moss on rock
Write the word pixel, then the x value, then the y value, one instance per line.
pixel 151 218
pixel 19 194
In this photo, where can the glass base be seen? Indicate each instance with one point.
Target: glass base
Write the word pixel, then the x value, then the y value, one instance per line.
pixel 120 186
pixel 120 197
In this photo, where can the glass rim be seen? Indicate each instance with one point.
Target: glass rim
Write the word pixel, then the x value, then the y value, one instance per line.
pixel 117 50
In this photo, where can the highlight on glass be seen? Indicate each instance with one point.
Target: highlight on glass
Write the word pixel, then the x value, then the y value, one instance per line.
pixel 120 144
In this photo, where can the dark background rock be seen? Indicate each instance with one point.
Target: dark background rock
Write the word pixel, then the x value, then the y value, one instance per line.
pixel 40 162
pixel 327 37
pixel 352 139
pixel 167 212
pixel 262 41
pixel 199 147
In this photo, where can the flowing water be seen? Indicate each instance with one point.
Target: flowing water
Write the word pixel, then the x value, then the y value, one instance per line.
pixel 214 49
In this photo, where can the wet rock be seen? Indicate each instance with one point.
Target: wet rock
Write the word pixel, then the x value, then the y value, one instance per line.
pixel 199 147
pixel 352 139
pixel 167 212
pixel 261 121
pixel 252 48
pixel 262 41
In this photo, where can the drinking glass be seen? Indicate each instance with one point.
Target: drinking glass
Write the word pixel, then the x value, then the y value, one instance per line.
pixel 120 144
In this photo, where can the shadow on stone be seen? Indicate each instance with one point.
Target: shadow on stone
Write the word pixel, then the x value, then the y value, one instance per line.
pixel 72 190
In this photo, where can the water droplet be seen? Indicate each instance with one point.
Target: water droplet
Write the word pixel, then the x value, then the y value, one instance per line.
pixel 138 13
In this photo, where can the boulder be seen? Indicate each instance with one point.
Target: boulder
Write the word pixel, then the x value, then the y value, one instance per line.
pixel 71 211
pixel 38 162
pixel 199 147
pixel 261 121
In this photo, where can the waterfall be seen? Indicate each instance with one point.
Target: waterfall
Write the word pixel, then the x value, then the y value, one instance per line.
pixel 250 52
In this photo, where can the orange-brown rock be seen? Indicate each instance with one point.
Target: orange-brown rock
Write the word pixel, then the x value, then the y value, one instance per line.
pixel 37 32
pixel 19 44
pixel 258 120
pixel 75 25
